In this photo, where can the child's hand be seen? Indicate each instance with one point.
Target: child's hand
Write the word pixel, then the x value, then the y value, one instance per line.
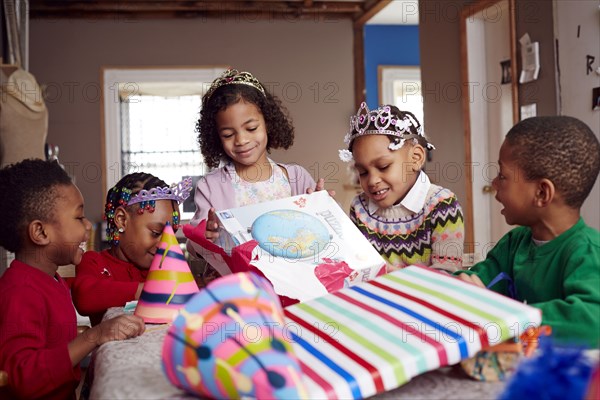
pixel 320 186
pixel 472 279
pixel 212 226
pixel 118 328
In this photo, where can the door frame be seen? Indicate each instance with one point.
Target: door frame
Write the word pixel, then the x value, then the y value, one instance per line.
pixel 467 13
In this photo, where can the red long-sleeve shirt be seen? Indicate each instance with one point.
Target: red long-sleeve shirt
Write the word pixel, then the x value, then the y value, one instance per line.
pixel 103 281
pixel 37 322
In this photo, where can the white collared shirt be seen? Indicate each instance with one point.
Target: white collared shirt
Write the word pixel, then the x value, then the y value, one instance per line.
pixel 414 200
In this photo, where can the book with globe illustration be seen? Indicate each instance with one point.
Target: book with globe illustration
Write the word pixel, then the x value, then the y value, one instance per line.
pixel 305 245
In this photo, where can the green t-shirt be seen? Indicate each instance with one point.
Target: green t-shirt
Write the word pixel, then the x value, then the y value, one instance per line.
pixel 560 277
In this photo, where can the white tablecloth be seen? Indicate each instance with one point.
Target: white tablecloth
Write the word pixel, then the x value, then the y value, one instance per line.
pixel 132 369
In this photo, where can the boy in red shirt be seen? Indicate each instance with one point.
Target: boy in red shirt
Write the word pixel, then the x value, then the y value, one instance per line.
pixel 45 226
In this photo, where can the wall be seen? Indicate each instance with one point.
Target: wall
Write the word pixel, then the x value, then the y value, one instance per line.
pixel 307 63
pixel 439 41
pixel 388 45
pixel 67 55
pixel 535 18
pixel 576 86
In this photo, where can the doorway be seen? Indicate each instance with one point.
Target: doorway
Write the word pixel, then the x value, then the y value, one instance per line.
pixel 488 53
pixel 401 86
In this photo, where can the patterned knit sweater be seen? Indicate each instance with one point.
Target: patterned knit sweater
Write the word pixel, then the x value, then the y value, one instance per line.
pixel 432 237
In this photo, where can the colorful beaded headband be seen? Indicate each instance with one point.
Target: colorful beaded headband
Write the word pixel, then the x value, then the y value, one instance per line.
pixel 147 200
pixel 385 123
pixel 178 192
pixel 234 77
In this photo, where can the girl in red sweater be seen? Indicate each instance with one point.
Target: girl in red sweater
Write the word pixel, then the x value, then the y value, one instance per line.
pixel 136 211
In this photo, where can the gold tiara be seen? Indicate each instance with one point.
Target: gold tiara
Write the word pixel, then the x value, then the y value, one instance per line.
pixel 234 77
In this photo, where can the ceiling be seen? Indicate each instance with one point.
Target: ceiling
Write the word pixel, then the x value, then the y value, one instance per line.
pixel 360 11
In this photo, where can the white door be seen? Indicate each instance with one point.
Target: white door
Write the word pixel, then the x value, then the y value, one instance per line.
pixel 490 114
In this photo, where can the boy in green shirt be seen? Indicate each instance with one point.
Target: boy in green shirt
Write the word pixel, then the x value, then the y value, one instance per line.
pixel 548 166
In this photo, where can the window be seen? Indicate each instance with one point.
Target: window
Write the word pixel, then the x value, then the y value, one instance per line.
pixel 158 136
pixel 401 86
pixel 149 122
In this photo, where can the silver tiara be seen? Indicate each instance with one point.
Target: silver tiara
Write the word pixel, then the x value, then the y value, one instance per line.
pixel 385 123
pixel 178 192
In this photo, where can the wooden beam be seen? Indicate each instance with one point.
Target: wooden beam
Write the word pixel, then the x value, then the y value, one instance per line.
pixel 180 8
pixel 512 9
pixel 469 243
pixel 369 10
pixel 359 66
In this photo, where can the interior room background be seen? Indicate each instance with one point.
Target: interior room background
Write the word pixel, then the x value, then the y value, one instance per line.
pixel 298 58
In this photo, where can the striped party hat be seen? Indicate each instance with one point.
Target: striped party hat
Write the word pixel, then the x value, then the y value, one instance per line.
pixel 170 283
pixel 230 342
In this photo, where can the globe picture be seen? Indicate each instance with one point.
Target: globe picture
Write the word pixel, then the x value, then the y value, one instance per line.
pixel 290 234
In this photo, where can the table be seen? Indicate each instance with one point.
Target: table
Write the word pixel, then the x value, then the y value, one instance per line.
pixel 132 369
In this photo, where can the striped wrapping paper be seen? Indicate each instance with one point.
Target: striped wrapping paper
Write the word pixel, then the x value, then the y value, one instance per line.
pixel 376 336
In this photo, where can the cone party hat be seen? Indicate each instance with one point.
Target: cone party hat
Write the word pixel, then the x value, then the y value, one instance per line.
pixel 170 283
pixel 231 341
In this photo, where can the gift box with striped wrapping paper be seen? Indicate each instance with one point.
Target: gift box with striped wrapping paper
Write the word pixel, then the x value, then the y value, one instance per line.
pixel 376 336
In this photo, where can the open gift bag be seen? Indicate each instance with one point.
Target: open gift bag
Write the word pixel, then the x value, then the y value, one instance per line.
pixel 226 264
pixel 305 245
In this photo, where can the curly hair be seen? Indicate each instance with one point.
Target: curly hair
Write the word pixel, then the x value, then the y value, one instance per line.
pixel 280 131
pixel 28 192
pixel 117 196
pixel 561 149
pixel 412 128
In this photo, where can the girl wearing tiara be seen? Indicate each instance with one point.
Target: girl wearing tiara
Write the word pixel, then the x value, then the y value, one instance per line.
pixel 406 218
pixel 137 209
pixel 240 122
